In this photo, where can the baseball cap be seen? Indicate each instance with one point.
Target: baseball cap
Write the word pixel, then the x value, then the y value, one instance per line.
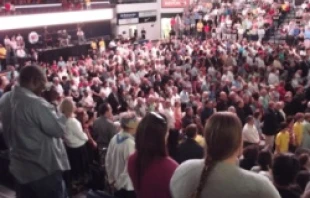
pixel 129 120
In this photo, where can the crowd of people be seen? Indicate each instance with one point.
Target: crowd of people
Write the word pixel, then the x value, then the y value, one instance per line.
pixel 202 114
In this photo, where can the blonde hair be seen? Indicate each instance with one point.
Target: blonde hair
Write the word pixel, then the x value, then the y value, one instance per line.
pixel 67 106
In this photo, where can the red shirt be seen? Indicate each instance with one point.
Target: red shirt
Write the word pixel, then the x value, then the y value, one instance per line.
pixel 207 28
pixel 172 22
pixel 156 178
pixel 54 67
pixel 281 91
pixel 7 7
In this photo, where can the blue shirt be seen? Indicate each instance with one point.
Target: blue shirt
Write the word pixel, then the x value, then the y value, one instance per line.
pixel 33 132
pixel 307 34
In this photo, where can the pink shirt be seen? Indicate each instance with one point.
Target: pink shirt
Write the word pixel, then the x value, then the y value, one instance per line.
pixel 156 179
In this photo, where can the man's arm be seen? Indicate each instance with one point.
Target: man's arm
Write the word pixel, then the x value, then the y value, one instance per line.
pixel 48 120
pixel 112 131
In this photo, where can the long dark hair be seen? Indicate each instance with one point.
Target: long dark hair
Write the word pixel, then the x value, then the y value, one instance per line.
pixel 223 138
pixel 265 160
pixel 150 141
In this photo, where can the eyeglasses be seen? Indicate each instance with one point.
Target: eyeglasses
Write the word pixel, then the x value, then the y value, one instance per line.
pixel 159 117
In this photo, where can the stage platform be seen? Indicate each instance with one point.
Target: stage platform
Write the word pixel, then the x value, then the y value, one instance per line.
pixel 49 55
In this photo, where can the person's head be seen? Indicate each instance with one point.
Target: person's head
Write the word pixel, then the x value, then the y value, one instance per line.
pixel 299 117
pixel 189 111
pixel 129 122
pixel 208 104
pixel 264 159
pixel 250 120
pixel 251 153
pixel 191 131
pixel 284 169
pixel 105 110
pixel 271 105
pixel 67 107
pixel 151 138
pixel 223 96
pixel 33 79
pixel 257 114
pixel 231 109
pixel 302 179
pixel 81 116
pixel 223 137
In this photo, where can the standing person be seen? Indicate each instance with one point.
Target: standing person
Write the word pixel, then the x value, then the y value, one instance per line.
pixel 206 112
pixel 284 171
pixel 306 132
pixel 33 132
pixel 81 36
pixel 219 175
pixel 103 127
pixel 190 149
pixel 283 139
pixel 143 34
pixel 250 133
pixel 150 168
pixel 199 28
pixel 298 128
pixel 270 127
pixel 120 148
pixel 75 139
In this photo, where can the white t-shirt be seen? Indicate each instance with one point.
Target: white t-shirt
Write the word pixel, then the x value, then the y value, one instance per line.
pixel 273 79
pixel 121 146
pixel 250 134
pixel 59 89
pixel 7 41
pixel 74 135
pixel 169 113
pixel 261 31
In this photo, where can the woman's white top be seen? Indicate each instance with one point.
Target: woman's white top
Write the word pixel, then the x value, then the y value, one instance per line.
pixel 74 134
pixel 225 181
pixel 261 31
pixel 250 134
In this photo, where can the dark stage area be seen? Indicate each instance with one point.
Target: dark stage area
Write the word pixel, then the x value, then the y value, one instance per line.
pixel 48 55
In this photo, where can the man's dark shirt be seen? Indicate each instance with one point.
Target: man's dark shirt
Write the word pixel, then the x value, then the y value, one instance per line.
pixel 189 149
pixel 187 120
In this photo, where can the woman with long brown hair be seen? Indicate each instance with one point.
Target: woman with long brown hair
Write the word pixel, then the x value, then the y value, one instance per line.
pixel 218 175
pixel 150 168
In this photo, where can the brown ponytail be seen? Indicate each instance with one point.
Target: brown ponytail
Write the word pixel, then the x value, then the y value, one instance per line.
pixel 223 136
pixel 206 171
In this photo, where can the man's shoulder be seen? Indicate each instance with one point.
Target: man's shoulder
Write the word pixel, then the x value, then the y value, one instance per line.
pixel 103 120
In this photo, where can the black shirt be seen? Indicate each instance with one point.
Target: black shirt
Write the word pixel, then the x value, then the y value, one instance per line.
pixel 189 149
pixel 290 192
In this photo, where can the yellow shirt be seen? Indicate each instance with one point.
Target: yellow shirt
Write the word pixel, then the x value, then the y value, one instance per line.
pixel 199 27
pixel 298 130
pixel 282 141
pixel 101 44
pixel 2 53
pixel 93 45
pixel 200 140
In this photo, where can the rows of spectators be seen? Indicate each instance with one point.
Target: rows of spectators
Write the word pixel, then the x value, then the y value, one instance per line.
pixel 236 108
